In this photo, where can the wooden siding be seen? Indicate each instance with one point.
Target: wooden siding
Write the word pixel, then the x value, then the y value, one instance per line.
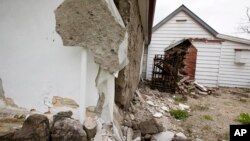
pixel 207 65
pixel 215 61
pixel 173 31
pixel 232 74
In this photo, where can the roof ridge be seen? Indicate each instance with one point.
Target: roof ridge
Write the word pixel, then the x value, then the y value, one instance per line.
pixel 191 14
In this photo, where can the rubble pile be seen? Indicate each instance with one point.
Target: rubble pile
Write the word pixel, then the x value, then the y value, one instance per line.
pixel 192 88
pixel 148 117
pixel 63 127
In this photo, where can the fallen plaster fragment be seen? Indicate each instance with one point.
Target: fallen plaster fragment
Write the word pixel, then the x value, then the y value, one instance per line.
pixel 181 135
pixel 200 87
pixel 165 108
pixel 90 126
pixel 183 106
pixel 150 103
pixel 171 100
pixel 96 25
pixel 132 116
pixel 164 136
pixel 158 115
pixel 130 134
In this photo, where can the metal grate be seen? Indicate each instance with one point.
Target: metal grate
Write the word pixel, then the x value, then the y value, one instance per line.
pixel 165 73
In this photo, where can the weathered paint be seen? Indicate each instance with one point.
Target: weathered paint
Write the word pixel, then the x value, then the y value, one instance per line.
pixel 215 57
pixel 232 74
pixel 34 64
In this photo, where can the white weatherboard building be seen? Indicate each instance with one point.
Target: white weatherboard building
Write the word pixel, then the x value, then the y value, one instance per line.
pixel 221 60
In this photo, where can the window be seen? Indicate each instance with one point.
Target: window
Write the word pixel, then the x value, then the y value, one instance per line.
pixel 240 56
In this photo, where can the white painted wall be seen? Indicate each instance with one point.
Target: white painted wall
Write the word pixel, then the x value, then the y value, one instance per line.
pixel 232 74
pixel 207 63
pixel 215 61
pixel 171 32
pixel 33 61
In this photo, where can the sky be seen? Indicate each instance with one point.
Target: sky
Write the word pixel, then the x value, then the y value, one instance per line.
pixel 225 16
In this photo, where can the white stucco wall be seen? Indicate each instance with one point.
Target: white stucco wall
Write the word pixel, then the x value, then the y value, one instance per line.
pixel 33 61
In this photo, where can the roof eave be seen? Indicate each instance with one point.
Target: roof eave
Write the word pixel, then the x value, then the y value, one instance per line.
pixel 234 39
pixel 147 8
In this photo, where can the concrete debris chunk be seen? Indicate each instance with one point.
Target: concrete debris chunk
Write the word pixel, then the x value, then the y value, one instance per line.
pixel 184 79
pixel 61 115
pixel 35 127
pixel 90 126
pixel 164 136
pixel 132 116
pixel 137 134
pixel 140 96
pixel 183 106
pixel 67 129
pixel 130 134
pixel 165 108
pixel 150 103
pixel 158 115
pixel 181 135
pixel 200 87
pixel 147 137
pixel 150 127
pixel 88 23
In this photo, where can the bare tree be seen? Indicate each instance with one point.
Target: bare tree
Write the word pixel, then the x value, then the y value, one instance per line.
pixel 245 27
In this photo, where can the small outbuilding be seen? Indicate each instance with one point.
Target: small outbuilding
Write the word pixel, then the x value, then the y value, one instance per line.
pixel 216 59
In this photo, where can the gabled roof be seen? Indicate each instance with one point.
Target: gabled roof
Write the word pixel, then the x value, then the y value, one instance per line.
pixel 202 23
pixel 191 14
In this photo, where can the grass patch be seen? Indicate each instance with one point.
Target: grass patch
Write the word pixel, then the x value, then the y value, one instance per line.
pixel 208 117
pixel 244 118
pixel 201 107
pixel 180 99
pixel 179 114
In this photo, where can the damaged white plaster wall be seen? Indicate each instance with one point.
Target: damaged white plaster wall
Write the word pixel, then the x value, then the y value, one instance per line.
pixel 87 19
pixel 34 64
pixel 89 92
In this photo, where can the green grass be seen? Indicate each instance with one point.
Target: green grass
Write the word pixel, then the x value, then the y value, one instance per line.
pixel 179 114
pixel 243 118
pixel 180 99
pixel 208 117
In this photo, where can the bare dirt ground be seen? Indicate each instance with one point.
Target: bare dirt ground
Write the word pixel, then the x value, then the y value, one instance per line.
pixel 209 115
